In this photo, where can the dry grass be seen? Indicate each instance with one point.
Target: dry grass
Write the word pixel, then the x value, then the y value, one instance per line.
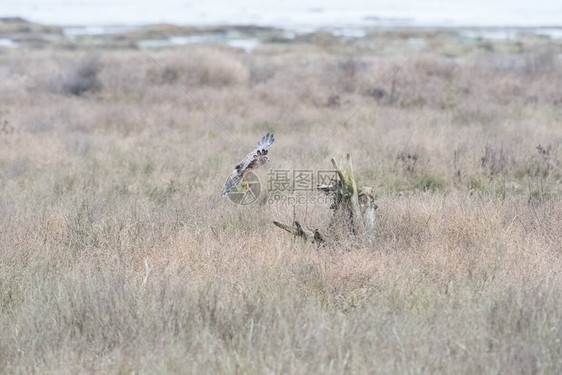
pixel 464 277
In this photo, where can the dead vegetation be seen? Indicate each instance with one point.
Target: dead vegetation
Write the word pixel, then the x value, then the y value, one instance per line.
pixel 82 77
pixel 119 257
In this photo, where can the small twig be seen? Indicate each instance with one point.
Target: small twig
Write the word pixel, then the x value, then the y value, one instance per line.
pixel 216 236
pixel 147 271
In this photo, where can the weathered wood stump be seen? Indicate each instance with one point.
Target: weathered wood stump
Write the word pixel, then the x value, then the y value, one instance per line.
pixel 353 209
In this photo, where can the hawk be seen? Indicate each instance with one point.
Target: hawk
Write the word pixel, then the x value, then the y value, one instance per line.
pixel 251 161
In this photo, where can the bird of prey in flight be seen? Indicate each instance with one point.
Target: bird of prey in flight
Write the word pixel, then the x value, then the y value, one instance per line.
pixel 251 161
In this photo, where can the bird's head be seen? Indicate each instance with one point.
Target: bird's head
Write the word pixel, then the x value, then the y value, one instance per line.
pixel 263 159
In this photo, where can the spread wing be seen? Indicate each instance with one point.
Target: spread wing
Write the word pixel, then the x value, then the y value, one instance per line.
pixel 246 163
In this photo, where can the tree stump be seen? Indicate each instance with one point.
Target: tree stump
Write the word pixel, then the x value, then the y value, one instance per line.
pixel 353 209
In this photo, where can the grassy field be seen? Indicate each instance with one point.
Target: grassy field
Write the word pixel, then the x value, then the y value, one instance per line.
pixel 118 256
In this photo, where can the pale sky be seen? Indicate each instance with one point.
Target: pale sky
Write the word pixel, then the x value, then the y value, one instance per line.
pixel 288 13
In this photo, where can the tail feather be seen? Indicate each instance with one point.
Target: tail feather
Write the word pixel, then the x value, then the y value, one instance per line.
pixel 231 183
